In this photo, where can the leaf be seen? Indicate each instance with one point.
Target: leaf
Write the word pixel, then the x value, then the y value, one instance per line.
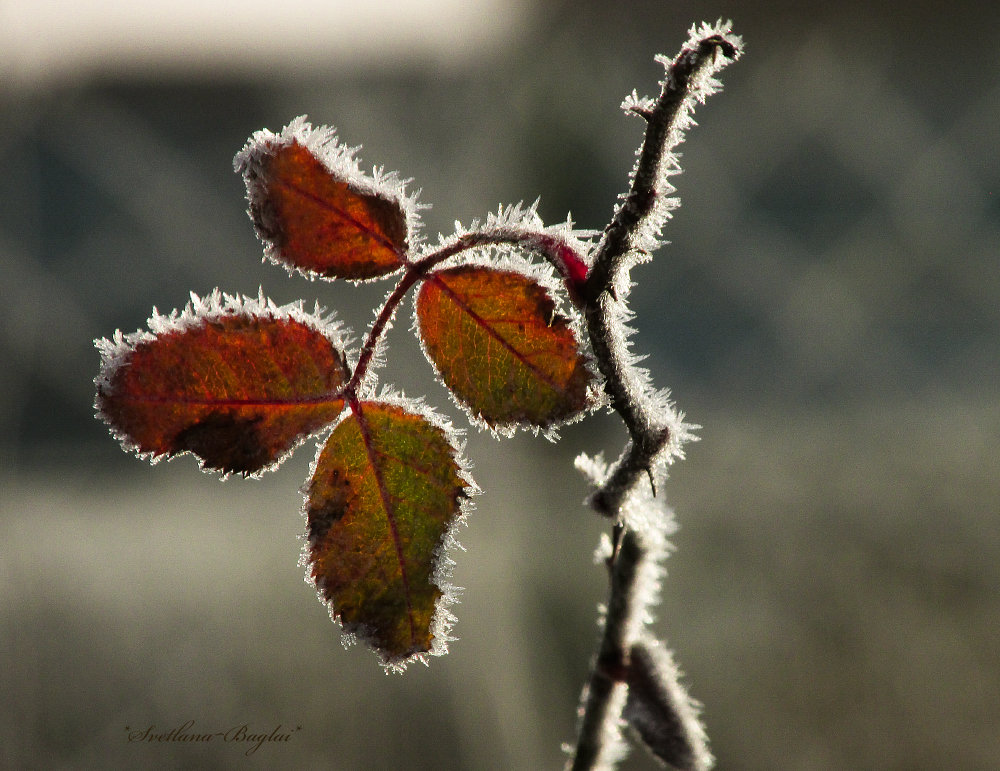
pixel 237 382
pixel 385 492
pixel 497 342
pixel 659 710
pixel 315 210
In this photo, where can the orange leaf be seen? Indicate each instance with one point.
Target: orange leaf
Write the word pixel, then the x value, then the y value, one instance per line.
pixel 498 343
pixel 316 212
pixel 239 386
pixel 385 491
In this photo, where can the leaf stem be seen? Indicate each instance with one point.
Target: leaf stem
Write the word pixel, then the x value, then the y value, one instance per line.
pixel 378 328
pixel 633 231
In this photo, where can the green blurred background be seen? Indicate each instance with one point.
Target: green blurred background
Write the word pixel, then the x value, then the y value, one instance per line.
pixel 828 310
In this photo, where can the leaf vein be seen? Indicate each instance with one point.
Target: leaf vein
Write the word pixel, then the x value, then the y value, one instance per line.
pixel 387 503
pixel 322 203
pixel 495 335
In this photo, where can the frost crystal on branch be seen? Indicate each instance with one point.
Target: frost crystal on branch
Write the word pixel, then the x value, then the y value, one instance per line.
pixel 634 105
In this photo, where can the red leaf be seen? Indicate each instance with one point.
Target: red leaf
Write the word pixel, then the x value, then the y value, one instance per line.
pixel 238 383
pixel 385 492
pixel 314 209
pixel 498 343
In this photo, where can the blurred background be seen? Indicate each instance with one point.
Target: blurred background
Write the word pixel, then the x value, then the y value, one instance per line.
pixel 827 311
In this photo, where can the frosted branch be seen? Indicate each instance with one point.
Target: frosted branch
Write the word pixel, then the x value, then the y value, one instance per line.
pixel 652 424
pixel 623 683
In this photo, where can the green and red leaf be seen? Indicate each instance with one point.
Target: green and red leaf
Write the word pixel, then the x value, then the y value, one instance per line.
pixel 316 212
pixel 237 382
pixel 386 491
pixel 498 342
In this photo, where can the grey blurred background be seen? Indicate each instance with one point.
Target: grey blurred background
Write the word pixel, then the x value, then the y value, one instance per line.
pixel 827 311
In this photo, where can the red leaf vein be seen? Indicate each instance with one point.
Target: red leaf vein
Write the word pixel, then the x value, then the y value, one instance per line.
pixel 484 323
pixel 388 505
pixel 346 217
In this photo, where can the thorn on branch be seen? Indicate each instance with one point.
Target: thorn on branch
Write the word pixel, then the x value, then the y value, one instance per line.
pixel 616 542
pixel 643 112
pixel 718 41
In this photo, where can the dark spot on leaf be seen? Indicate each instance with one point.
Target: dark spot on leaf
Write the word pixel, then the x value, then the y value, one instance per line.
pixel 225 442
pixel 268 223
pixel 331 509
pixel 321 519
pixel 390 218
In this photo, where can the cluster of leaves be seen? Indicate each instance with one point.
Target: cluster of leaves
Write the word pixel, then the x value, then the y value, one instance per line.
pixel 240 383
pixel 519 343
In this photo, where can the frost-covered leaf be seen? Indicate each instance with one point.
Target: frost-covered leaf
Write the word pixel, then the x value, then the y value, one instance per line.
pixel 237 382
pixel 316 212
pixel 386 491
pixel 498 342
pixel 661 713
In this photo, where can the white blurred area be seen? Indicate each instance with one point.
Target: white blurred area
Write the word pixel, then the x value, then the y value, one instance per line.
pixel 55 40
